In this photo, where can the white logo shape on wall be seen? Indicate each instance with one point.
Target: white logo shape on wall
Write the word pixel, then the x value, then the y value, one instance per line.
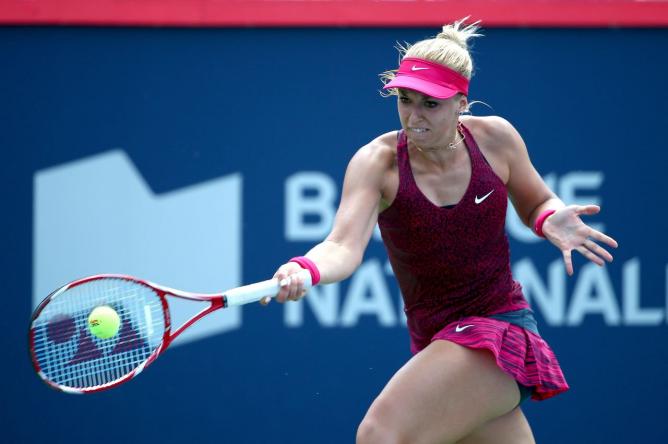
pixel 97 215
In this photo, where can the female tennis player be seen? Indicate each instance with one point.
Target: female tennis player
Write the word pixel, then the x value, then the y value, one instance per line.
pixel 438 188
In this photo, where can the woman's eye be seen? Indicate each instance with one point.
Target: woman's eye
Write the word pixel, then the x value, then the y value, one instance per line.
pixel 430 104
pixel 404 99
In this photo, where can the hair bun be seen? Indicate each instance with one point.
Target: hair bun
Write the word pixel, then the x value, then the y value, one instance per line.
pixel 460 34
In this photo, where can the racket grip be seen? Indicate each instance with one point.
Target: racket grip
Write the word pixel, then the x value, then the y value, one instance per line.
pixel 254 292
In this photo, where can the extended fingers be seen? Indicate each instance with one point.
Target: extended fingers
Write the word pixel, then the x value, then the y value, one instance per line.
pixel 601 237
pixel 595 234
pixel 590 255
pixel 591 251
pixel 599 251
pixel 568 262
pixel 587 209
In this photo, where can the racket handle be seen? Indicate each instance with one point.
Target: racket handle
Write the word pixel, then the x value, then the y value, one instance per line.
pixel 254 292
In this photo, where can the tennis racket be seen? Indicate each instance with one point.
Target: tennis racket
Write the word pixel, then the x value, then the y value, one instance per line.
pixel 68 357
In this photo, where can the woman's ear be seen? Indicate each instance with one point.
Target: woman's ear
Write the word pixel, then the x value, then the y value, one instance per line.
pixel 463 104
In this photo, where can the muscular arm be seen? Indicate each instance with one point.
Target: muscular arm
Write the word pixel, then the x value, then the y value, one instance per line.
pixel 341 252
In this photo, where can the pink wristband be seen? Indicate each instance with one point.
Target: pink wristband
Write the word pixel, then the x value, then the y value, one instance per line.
pixel 538 226
pixel 308 264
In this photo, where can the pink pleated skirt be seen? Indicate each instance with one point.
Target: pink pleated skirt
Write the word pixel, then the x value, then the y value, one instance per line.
pixel 521 353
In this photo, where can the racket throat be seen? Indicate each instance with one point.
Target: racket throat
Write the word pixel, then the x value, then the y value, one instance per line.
pixel 216 304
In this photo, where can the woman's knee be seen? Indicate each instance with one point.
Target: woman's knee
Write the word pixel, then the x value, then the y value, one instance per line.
pixel 379 426
pixel 372 431
pixel 369 431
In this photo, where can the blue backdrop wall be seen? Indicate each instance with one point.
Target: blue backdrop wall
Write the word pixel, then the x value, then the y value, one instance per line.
pixel 202 159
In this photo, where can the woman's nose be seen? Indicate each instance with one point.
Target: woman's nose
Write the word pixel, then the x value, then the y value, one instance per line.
pixel 414 114
pixel 415 118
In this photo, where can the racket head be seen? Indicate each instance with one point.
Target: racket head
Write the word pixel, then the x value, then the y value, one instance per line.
pixel 68 357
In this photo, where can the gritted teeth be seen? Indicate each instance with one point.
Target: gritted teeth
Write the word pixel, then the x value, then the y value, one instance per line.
pixel 418 130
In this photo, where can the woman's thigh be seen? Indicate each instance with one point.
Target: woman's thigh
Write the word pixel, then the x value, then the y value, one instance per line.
pixel 441 395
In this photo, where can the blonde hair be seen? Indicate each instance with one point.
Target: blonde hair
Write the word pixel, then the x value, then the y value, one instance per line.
pixel 449 48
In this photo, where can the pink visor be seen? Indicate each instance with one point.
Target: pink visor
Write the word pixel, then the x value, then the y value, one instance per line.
pixel 429 78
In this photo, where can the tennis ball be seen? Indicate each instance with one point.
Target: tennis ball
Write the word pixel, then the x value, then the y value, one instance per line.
pixel 104 322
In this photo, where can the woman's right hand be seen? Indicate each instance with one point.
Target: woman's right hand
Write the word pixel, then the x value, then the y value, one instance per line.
pixel 292 284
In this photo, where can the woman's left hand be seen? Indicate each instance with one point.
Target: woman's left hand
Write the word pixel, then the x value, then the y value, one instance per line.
pixel 565 229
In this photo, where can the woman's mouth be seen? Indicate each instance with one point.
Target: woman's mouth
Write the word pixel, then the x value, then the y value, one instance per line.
pixel 417 130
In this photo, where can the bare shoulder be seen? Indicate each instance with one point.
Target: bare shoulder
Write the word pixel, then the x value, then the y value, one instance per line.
pixel 499 142
pixel 494 133
pixel 374 168
pixel 378 155
pixel 381 150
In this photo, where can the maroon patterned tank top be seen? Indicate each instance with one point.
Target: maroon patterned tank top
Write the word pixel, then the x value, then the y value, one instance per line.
pixel 450 262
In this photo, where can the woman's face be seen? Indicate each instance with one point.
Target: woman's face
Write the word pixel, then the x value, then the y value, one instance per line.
pixel 429 122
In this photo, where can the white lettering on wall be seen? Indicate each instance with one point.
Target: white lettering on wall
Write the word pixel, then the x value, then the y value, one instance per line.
pixel 633 313
pixel 368 294
pixel 549 299
pixel 593 294
pixel 309 194
pixel 323 301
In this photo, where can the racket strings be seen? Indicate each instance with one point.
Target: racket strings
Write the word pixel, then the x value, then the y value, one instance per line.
pixel 69 355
